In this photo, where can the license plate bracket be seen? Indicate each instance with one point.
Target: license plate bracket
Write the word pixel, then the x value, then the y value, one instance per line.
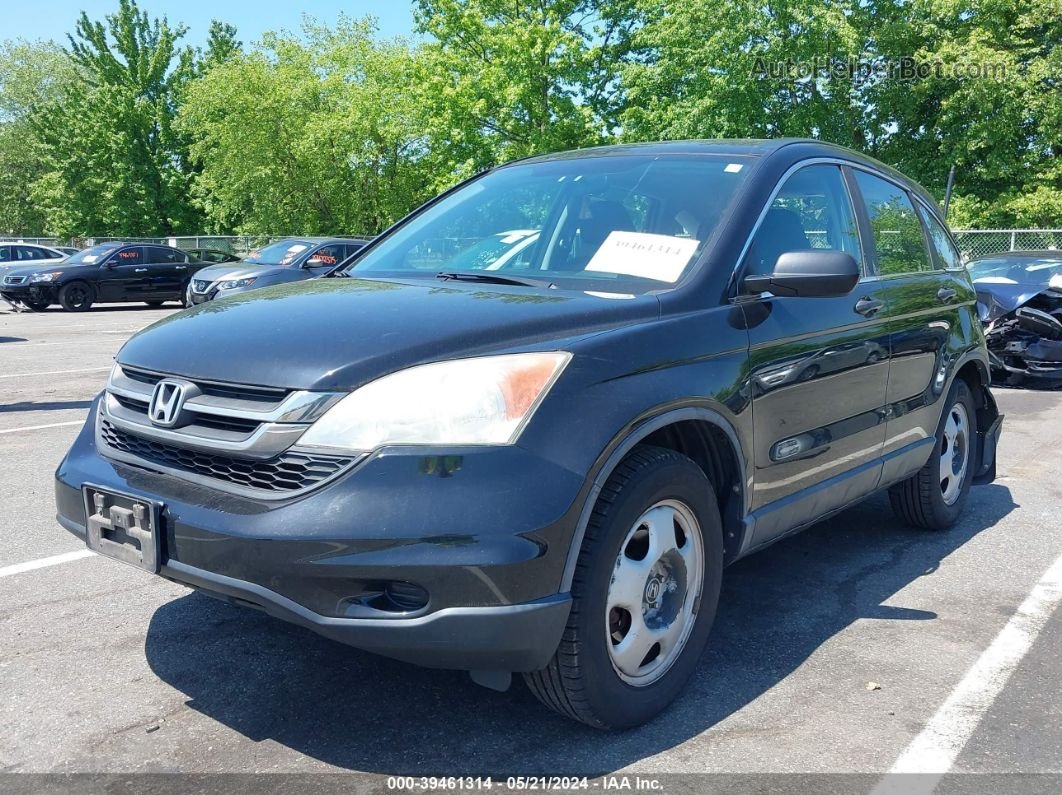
pixel 123 527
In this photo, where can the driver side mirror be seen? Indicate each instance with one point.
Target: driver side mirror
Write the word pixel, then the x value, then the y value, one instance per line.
pixel 816 273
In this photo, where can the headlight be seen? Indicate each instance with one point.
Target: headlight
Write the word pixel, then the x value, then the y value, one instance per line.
pixel 232 285
pixel 482 401
pixel 45 277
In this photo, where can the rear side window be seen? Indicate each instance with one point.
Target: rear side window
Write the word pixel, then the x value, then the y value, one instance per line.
pixel 5 253
pixel 944 250
pixel 898 238
pixel 165 256
pixel 30 253
pixel 811 211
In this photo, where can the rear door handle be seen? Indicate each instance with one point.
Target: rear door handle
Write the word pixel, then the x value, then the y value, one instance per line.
pixel 140 270
pixel 945 294
pixel 868 306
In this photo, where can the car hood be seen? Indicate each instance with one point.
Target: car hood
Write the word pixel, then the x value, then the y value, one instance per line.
pixel 35 267
pixel 341 333
pixel 234 270
pixel 996 298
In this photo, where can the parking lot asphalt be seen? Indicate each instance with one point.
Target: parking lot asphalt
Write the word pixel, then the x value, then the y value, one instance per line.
pixel 833 650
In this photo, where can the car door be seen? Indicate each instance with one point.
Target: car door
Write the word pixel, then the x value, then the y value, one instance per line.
pixel 819 365
pixel 124 276
pixel 167 272
pixel 921 274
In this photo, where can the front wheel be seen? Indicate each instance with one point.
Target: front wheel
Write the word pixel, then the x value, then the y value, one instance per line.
pixel 76 297
pixel 644 594
pixel 933 498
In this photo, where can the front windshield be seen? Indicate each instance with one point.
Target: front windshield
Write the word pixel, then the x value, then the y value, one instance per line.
pixel 1038 271
pixel 284 253
pixel 91 256
pixel 625 223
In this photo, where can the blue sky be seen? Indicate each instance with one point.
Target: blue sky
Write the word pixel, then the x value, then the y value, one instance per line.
pixel 53 19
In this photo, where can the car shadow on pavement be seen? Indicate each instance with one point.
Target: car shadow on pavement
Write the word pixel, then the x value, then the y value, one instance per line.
pixel 54 405
pixel 271 681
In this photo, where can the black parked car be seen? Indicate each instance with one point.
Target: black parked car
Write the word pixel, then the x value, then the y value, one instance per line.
pixel 107 273
pixel 544 468
pixel 289 260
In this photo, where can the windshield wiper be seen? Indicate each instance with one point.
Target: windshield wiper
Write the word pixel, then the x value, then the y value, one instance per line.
pixel 494 278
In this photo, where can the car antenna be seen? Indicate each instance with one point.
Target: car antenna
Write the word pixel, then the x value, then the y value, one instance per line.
pixel 947 191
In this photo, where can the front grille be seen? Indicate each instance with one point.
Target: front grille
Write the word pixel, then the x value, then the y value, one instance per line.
pixel 287 472
pixel 12 280
pixel 258 394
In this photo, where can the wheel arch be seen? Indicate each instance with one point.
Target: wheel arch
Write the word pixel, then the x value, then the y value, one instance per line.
pixel 701 433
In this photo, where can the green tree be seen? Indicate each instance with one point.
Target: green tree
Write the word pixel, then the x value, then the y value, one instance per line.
pixel 311 134
pixel 502 80
pixel 115 164
pixel 1000 123
pixel 31 73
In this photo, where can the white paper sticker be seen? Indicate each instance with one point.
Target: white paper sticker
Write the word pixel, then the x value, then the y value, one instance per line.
pixel 733 168
pixel 297 248
pixel 88 260
pixel 659 257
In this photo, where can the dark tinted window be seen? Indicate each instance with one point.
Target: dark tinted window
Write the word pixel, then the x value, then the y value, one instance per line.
pixel 898 237
pixel 31 253
pixel 811 211
pixel 5 253
pixel 944 250
pixel 134 255
pixel 161 255
pixel 326 256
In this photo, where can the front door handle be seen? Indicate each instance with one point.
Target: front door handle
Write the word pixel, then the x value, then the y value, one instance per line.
pixel 140 270
pixel 182 267
pixel 868 306
pixel 945 294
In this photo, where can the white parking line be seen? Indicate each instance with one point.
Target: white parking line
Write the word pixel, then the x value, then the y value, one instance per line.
pixel 41 427
pixel 933 752
pixel 56 372
pixel 42 563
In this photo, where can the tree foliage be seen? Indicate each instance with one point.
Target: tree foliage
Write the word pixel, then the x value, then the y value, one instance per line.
pixel 128 131
pixel 311 134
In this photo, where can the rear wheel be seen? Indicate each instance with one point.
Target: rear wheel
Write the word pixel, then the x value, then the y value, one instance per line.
pixel 76 297
pixel 644 594
pixel 934 496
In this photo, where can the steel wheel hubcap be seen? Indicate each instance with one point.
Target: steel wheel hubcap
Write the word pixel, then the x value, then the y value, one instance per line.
pixel 954 453
pixel 652 598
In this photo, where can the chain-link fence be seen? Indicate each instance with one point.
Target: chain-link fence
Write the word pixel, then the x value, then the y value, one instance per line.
pixel 972 242
pixel 239 245
pixel 978 242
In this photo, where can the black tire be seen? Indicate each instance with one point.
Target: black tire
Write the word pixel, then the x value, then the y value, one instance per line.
pixel 581 681
pixel 36 306
pixel 76 297
pixel 154 304
pixel 920 500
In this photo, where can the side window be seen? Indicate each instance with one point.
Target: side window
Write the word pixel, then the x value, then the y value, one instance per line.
pixel 946 253
pixel 898 237
pixel 5 253
pixel 134 255
pixel 165 256
pixel 29 253
pixel 326 255
pixel 811 211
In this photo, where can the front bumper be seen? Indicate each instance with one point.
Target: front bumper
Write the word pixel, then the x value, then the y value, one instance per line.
pixel 41 292
pixel 486 536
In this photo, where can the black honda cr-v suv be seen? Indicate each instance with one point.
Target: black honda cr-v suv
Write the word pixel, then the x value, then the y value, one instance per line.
pixel 651 361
